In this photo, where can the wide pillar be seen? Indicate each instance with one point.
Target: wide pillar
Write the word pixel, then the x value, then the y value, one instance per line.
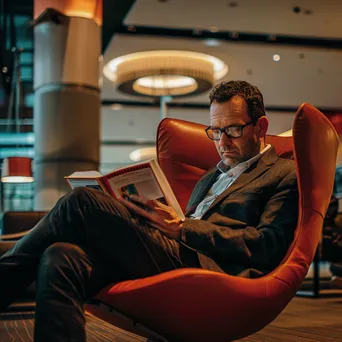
pixel 67 47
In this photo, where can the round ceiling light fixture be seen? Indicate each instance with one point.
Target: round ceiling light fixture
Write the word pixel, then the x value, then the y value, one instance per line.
pixel 165 72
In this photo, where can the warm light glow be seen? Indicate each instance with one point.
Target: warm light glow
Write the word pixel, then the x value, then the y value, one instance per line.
pixel 143 154
pixel 91 9
pixel 286 133
pixel 276 57
pixel 156 85
pixel 165 81
pixel 213 29
pixel 78 13
pixel 17 179
pixel 116 106
pixel 219 67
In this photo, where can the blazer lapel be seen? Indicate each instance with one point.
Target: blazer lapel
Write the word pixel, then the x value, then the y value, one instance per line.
pixel 202 189
pixel 250 174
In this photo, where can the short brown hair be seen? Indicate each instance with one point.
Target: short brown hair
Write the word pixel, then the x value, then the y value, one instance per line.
pixel 224 91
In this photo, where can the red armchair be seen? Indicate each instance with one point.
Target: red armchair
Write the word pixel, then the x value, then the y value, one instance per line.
pixel 199 305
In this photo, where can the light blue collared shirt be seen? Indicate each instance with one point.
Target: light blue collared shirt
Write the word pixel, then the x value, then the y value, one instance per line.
pixel 224 181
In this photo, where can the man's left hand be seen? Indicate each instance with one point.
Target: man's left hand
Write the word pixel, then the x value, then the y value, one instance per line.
pixel 158 215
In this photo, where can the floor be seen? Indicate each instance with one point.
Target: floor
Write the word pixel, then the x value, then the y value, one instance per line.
pixel 304 320
pixel 18 327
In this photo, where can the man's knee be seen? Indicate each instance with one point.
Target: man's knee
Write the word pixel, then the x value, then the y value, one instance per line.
pixel 61 254
pixel 88 197
pixel 82 194
pixel 63 267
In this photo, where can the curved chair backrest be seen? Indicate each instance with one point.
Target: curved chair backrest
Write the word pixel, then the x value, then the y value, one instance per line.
pixel 315 151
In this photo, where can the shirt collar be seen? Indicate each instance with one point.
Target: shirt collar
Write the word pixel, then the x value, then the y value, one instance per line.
pixel 221 166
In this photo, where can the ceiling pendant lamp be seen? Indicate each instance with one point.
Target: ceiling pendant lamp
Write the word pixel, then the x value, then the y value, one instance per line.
pixel 165 72
pixel 17 170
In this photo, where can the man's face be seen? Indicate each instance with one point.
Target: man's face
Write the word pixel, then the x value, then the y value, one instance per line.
pixel 235 113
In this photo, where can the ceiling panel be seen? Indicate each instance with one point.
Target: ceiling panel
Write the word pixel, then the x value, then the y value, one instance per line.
pixel 319 18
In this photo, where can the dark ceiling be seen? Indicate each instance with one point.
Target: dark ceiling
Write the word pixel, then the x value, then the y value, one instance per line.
pixel 114 13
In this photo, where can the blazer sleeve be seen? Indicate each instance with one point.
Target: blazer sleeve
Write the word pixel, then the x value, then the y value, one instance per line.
pixel 262 246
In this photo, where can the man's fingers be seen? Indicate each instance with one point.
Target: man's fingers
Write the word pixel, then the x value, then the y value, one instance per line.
pixel 139 199
pixel 138 210
pixel 153 219
pixel 144 201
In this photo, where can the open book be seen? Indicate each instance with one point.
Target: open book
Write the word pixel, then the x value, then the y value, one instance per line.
pixel 146 179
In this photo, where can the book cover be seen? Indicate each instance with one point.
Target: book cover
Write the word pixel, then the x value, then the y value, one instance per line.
pixel 145 179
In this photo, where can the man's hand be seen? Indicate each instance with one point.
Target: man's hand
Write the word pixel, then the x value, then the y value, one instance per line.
pixel 159 215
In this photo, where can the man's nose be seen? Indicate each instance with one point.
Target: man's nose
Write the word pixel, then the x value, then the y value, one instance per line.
pixel 224 140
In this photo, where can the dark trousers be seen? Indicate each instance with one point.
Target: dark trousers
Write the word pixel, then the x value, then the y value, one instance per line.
pixel 87 241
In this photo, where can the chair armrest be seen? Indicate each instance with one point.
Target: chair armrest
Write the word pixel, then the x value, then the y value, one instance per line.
pixel 15 236
pixel 5 246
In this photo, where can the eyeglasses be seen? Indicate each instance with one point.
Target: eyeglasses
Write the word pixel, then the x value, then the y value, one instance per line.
pixel 231 132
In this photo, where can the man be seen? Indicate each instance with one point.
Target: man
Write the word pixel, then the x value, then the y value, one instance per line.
pixel 240 220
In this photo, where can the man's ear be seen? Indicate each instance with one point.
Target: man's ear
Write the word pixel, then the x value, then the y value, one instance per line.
pixel 263 126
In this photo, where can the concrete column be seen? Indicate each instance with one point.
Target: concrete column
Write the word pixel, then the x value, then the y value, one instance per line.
pixel 67 101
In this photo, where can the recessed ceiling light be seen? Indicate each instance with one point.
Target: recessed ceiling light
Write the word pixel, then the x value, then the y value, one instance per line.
pixel 213 29
pixel 276 57
pixel 116 106
pixel 212 42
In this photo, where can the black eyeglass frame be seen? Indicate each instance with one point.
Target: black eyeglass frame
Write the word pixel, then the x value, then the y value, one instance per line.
pixel 224 130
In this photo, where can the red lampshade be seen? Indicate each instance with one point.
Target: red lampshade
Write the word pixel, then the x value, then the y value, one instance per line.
pixel 17 170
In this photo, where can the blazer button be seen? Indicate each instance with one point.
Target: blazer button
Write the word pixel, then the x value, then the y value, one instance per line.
pixel 230 174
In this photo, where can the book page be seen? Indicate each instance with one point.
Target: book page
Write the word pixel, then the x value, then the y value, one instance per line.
pixel 88 183
pixel 139 182
pixel 165 187
pixel 88 174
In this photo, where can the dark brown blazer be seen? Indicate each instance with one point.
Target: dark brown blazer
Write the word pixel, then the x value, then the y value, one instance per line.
pixel 249 227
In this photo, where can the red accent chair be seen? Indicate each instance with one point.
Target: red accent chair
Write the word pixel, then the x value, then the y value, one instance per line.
pixel 199 305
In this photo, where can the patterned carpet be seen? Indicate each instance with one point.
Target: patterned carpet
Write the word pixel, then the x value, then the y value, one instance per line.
pixel 303 320
pixel 18 327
